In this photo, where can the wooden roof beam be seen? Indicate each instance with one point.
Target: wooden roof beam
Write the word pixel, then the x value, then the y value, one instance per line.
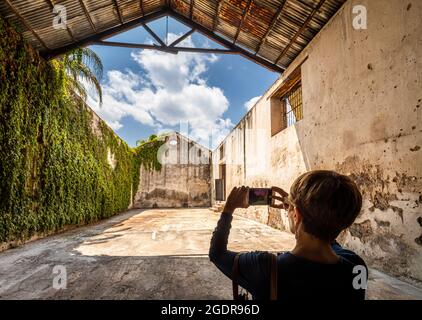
pixel 141 6
pixel 88 16
pixel 153 34
pixel 180 39
pixel 217 14
pixel 118 11
pixel 305 4
pixel 245 13
pixel 271 26
pixel 106 34
pixel 51 4
pixel 228 44
pixel 299 32
pixel 173 50
pixel 192 3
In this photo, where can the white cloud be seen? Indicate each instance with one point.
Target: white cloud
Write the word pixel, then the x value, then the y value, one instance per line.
pixel 169 91
pixel 251 102
pixel 121 98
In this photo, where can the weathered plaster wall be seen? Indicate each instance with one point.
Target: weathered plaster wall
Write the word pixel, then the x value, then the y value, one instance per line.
pixel 362 92
pixel 183 181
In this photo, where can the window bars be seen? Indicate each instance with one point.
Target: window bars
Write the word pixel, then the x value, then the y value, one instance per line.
pixel 293 105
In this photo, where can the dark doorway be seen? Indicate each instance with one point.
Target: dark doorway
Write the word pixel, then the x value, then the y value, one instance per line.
pixel 220 184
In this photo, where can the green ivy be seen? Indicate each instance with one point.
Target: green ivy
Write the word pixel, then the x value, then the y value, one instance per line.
pixel 53 168
pixel 145 154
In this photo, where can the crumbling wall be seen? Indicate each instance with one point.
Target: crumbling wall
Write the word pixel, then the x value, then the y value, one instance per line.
pixel 183 181
pixel 362 117
pixel 174 186
pixel 388 230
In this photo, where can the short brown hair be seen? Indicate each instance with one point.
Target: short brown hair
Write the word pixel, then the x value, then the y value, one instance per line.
pixel 328 201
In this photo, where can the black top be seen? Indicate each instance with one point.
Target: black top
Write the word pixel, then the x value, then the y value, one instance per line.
pixel 297 277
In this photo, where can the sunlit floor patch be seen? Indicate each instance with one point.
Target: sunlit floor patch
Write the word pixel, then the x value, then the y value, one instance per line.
pixel 180 232
pixel 147 254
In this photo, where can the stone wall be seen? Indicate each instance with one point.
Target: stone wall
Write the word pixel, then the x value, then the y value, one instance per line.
pixel 183 181
pixel 362 92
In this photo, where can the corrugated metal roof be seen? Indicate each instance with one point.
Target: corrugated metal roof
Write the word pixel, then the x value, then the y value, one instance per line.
pixel 272 32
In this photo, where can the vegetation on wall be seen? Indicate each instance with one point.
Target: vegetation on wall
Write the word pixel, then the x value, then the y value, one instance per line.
pixel 145 154
pixel 53 156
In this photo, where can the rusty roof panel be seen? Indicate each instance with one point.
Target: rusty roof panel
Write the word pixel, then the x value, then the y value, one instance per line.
pixel 281 34
pixel 229 14
pixel 226 29
pixel 202 12
pixel 251 23
pixel 207 7
pixel 239 5
pixel 286 60
pixel 248 41
pixel 103 17
pixel 264 11
pixel 130 9
pixel 203 19
pixel 256 27
pixel 93 5
pixel 181 6
pixel 329 8
pixel 80 27
pixel 153 5
pixel 35 15
pixel 268 52
pixel 297 12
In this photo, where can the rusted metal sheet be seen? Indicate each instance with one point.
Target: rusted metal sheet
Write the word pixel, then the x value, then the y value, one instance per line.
pixel 275 30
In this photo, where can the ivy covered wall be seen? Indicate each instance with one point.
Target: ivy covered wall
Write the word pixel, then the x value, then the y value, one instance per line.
pixel 54 167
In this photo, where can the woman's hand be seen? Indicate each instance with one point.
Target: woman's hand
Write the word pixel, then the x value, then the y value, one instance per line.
pixel 238 198
pixel 279 195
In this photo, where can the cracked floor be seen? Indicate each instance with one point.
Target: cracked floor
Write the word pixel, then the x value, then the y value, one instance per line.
pixel 148 254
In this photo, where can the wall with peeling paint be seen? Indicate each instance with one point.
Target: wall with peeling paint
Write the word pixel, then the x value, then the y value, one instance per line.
pixel 184 178
pixel 362 92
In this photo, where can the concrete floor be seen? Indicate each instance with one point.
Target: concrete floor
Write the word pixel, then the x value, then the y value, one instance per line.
pixel 148 254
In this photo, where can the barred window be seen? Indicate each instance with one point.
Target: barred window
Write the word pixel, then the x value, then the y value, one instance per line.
pixel 286 103
pixel 293 106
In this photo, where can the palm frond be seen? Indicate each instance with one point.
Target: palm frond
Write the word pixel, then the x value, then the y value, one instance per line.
pixel 84 73
pixel 77 87
pixel 89 58
pixel 84 64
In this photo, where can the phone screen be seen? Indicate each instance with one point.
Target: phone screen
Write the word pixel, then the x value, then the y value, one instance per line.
pixel 259 196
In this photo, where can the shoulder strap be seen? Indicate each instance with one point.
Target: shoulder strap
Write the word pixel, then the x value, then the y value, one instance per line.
pixel 273 277
pixel 235 273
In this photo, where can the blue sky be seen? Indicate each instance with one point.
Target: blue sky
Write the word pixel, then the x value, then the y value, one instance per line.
pixel 148 92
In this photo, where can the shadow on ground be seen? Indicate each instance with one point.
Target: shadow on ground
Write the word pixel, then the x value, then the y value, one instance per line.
pixel 147 254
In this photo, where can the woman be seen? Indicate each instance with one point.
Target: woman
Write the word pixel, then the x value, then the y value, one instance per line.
pixel 320 205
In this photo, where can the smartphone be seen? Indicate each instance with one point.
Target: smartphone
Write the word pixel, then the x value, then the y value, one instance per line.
pixel 260 196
